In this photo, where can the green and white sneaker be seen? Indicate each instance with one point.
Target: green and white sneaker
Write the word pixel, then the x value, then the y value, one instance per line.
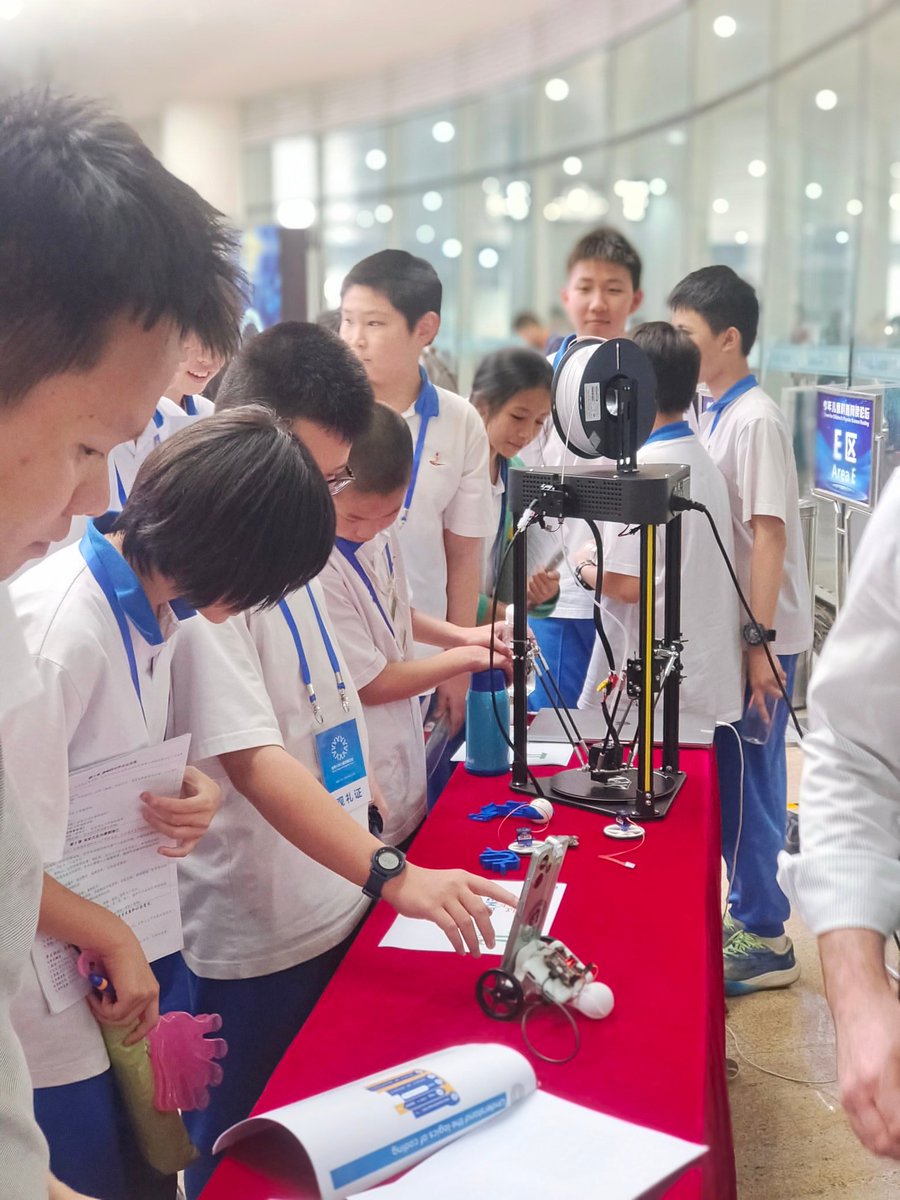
pixel 730 926
pixel 751 965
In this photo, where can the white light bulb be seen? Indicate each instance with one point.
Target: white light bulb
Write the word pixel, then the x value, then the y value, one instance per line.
pixel 742 237
pixel 724 27
pixel 572 165
pixel 432 201
pixel 488 258
pixel 658 186
pixel 854 207
pixel 443 131
pixel 842 237
pixel 452 248
pixel 556 89
pixel 757 168
pixel 376 160
pixel 384 213
pixel 813 190
pixel 425 234
pixel 826 99
pixel 296 213
pixel 720 206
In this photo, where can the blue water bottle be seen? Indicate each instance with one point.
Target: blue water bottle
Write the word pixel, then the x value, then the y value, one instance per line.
pixel 487 751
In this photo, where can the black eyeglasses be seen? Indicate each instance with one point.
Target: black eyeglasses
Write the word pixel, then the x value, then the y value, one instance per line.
pixel 337 483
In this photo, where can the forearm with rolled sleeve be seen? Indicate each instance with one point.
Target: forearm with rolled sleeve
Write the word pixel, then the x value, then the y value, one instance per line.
pixel 847 875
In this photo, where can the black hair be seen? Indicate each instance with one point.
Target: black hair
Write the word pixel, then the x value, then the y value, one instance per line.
pixel 605 244
pixel 301 370
pixel 232 509
pixel 93 227
pixel 410 284
pixel 381 459
pixel 676 362
pixel 722 299
pixel 523 319
pixel 505 372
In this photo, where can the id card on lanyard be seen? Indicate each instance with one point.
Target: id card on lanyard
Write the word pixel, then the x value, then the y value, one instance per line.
pixel 338 747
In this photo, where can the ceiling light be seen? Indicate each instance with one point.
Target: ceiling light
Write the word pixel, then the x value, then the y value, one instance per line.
pixel 384 213
pixel 572 165
pixel 895 201
pixel 443 131
pixel 495 205
pixel 676 137
pixel 364 219
pixel 721 205
pixel 556 89
pixel 757 168
pixel 452 247
pixel 432 201
pixel 339 211
pixel 488 258
pixel 658 186
pixel 724 27
pixel 296 213
pixel 491 185
pixel 553 210
pixel 376 160
pixel 842 237
pixel 425 234
pixel 742 237
pixel 826 99
pixel 854 207
pixel 332 289
pixel 813 190
pixel 518 190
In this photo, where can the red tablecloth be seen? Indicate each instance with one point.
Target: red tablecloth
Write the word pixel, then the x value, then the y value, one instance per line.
pixel 655 933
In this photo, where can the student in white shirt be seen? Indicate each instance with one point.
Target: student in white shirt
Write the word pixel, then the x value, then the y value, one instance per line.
pixel 711 659
pixel 368 599
pixel 602 290
pixel 100 620
pixel 87 342
pixel 183 401
pixel 271 897
pixel 846 878
pixel 749 440
pixel 390 311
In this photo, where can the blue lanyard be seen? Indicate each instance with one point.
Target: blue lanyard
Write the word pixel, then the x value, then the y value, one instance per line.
pixel 736 390
pixel 427 406
pixel 124 595
pixel 190 405
pixel 668 433
pixel 349 549
pixel 563 347
pixel 305 673
pixel 120 487
pixel 158 420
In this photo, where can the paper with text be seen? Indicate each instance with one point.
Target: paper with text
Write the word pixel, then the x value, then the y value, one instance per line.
pixel 540 754
pixel 111 857
pixel 407 933
pixel 574 1152
pixel 368 1130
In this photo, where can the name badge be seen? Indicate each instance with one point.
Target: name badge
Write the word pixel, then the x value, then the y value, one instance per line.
pixel 343 766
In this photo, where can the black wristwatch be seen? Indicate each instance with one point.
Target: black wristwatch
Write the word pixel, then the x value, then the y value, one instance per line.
pixel 755 635
pixel 579 576
pixel 387 863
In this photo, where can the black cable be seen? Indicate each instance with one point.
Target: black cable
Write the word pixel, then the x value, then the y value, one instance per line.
pixel 679 504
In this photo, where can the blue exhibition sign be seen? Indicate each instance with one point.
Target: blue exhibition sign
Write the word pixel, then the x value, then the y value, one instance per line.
pixel 845 442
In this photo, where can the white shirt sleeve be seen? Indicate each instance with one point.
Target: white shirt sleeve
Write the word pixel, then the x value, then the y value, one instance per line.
pixel 364 660
pixel 762 471
pixel 848 872
pixel 470 512
pixel 621 554
pixel 219 695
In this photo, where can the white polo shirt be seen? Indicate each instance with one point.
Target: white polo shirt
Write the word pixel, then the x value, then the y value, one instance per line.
pixel 751 446
pixel 252 903
pixel 23 1151
pixel 453 492
pixel 178 417
pixel 126 459
pixel 87 711
pixel 712 686
pixel 370 642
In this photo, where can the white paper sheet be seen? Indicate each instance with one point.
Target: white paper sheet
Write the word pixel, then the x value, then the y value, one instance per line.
pixel 542 1148
pixel 111 857
pixel 406 933
pixel 372 1128
pixel 540 754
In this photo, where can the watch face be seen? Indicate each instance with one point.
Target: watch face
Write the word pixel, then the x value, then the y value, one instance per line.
pixel 389 859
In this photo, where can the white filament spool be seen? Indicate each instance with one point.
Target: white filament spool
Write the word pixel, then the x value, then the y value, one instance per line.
pixel 566 389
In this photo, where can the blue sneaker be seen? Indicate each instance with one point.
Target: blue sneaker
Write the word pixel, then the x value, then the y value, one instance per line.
pixel 730 926
pixel 751 965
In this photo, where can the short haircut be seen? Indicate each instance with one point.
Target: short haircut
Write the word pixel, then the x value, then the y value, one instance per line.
pixel 232 509
pixel 676 362
pixel 505 372
pixel 93 227
pixel 722 299
pixel 410 284
pixel 301 371
pixel 381 459
pixel 606 244
pixel 523 319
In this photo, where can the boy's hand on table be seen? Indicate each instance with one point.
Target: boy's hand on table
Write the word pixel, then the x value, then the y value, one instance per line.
pixel 136 988
pixel 452 899
pixel 186 817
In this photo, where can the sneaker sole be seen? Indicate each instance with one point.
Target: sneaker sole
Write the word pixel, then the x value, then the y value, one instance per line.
pixel 760 983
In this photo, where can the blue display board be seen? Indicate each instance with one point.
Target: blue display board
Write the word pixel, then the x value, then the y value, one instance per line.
pixel 848 426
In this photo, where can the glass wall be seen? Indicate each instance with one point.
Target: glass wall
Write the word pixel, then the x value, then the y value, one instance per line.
pixel 757 133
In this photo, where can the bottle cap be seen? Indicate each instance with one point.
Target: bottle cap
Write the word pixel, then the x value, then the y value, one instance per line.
pixel 488 681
